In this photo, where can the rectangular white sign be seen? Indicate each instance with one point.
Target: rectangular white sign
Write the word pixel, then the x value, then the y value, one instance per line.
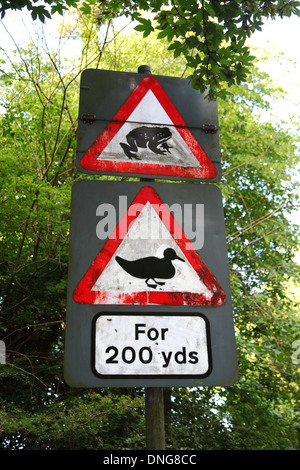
pixel 151 345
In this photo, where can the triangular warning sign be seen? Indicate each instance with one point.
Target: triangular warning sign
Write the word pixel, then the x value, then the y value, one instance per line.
pixel 148 260
pixel 149 136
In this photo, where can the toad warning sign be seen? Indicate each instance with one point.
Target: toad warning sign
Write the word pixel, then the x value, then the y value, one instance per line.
pixel 147 135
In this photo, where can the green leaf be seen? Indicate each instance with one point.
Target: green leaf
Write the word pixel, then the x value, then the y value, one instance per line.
pixel 163 34
pixel 145 26
pixel 86 8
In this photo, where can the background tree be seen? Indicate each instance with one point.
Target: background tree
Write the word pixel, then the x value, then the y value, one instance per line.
pixel 209 34
pixel 40 90
pixel 38 9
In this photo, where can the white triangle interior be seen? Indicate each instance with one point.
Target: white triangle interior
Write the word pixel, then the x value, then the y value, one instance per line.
pixel 148 236
pixel 150 113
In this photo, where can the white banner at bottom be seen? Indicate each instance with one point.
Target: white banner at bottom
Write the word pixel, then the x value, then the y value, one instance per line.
pixel 151 345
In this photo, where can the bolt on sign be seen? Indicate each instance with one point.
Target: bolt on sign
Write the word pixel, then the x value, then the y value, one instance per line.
pixel 146 125
pixel 149 300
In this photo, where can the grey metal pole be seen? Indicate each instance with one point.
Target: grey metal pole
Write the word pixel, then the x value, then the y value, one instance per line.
pixel 155 423
pixel 154 397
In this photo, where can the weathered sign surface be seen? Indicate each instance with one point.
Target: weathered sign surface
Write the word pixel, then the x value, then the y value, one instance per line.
pixel 149 300
pixel 149 260
pixel 142 346
pixel 146 126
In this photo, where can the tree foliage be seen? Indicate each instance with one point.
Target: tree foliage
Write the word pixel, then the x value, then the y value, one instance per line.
pixel 38 9
pixel 39 91
pixel 209 34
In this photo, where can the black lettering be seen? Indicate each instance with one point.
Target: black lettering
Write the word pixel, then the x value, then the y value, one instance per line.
pixel 138 331
pixel 193 357
pixel 152 336
pixel 112 360
pixel 163 332
pixel 167 358
pixel 148 359
pixel 131 357
pixel 180 356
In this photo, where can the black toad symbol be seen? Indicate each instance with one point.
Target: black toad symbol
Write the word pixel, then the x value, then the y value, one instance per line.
pixel 155 138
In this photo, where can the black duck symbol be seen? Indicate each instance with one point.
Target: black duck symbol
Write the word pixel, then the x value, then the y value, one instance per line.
pixel 151 267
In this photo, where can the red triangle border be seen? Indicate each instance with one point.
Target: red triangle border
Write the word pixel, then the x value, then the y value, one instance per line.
pixel 89 160
pixel 84 294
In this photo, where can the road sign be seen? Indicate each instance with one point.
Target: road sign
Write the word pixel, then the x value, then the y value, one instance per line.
pixel 195 342
pixel 148 260
pixel 135 345
pixel 146 126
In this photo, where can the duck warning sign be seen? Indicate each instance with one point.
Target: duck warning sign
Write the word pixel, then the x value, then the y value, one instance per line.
pixel 146 125
pixel 149 300
pixel 147 260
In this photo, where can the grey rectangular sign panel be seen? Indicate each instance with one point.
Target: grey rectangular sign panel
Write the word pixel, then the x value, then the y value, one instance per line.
pixel 149 301
pixel 146 125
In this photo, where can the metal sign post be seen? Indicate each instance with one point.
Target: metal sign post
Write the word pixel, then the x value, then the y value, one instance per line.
pixel 155 424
